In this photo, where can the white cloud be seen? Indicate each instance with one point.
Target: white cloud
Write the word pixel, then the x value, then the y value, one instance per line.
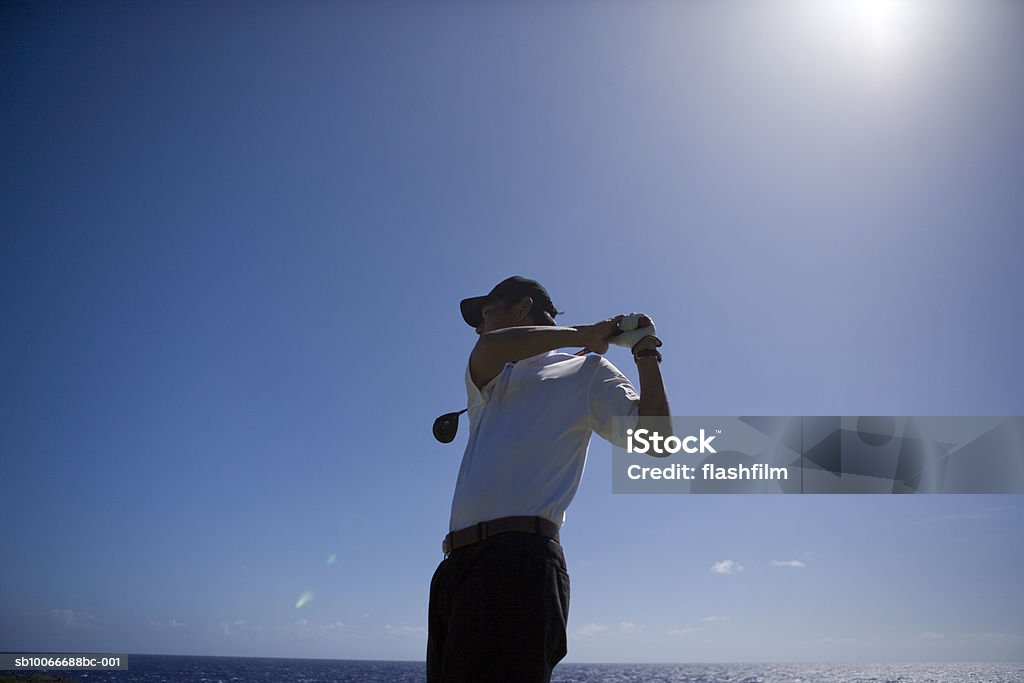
pixel 238 628
pixel 166 626
pixel 405 631
pixel 303 629
pixel 592 629
pixel 789 563
pixel 300 630
pixel 630 627
pixel 727 567
pixel 836 641
pixel 931 635
pixel 682 631
pixel 69 618
pixel 715 619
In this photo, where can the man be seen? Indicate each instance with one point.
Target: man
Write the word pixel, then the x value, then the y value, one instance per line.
pixel 499 600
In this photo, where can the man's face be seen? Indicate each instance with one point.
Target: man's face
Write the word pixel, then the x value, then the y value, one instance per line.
pixel 497 315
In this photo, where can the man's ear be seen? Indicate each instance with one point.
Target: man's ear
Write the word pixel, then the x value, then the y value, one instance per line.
pixel 522 308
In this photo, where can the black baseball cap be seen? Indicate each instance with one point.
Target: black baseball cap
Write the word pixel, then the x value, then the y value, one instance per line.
pixel 515 287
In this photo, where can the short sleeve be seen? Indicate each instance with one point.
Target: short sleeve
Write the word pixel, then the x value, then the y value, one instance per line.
pixel 612 395
pixel 475 396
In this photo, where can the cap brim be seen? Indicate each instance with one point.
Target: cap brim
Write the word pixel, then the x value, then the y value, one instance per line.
pixel 472 310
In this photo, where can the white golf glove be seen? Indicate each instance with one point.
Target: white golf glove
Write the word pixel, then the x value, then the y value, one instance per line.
pixel 632 332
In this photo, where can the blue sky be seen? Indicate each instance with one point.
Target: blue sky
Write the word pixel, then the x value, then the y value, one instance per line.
pixel 234 241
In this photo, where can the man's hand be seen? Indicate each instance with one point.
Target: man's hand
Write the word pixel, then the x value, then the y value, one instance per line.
pixel 595 336
pixel 636 327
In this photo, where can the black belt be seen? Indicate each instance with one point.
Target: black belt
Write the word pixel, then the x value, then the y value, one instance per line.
pixel 478 532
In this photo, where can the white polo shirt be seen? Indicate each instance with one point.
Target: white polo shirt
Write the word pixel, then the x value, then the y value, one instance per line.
pixel 529 434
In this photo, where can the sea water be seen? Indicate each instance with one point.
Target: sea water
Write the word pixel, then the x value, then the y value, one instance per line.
pixel 173 668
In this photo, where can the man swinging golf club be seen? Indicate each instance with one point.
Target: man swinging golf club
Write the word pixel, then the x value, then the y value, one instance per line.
pixel 499 600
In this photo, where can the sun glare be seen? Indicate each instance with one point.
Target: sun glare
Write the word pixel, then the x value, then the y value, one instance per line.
pixel 880 29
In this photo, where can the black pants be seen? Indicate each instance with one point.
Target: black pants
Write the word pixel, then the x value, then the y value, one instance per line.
pixel 498 611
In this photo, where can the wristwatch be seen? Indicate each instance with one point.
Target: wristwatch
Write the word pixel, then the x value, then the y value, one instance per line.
pixel 647 353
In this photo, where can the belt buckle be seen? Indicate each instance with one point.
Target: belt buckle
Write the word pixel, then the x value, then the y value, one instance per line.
pixel 446 545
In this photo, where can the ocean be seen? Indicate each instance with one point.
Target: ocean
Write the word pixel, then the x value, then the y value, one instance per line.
pixel 173 668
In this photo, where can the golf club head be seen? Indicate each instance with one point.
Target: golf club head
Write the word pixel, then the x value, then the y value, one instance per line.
pixel 447 426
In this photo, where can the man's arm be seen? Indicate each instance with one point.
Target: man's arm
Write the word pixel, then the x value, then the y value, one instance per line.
pixel 494 349
pixel 653 399
pixel 653 410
